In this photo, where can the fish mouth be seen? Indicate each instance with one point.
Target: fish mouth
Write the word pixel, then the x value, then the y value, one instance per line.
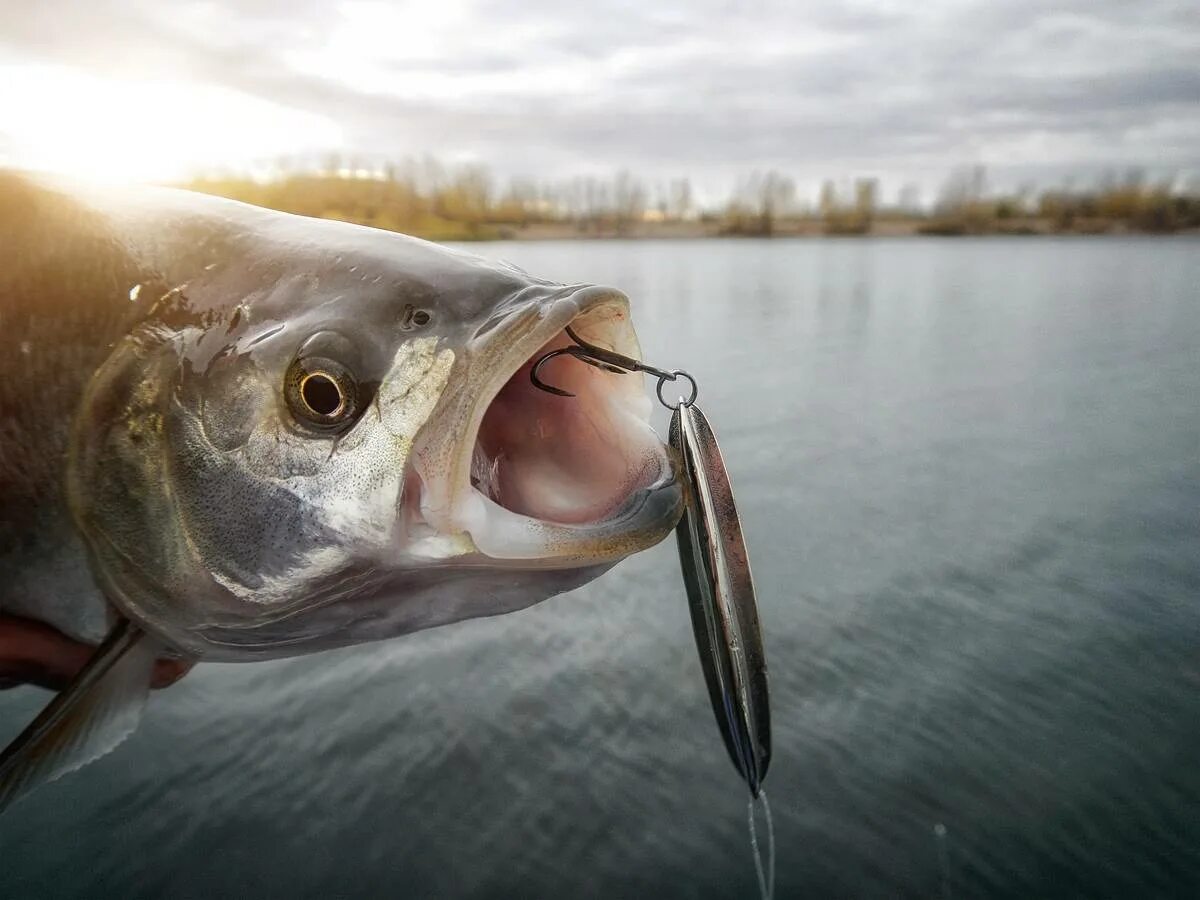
pixel 538 479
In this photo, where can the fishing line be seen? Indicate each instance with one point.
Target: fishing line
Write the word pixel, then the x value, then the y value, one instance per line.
pixel 939 831
pixel 766 878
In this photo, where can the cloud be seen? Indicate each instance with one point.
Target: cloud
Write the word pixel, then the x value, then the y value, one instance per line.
pixel 705 88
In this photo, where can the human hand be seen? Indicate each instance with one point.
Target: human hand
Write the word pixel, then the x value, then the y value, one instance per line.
pixel 34 653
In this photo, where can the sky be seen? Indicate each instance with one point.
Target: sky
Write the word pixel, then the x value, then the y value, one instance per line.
pixel 1035 91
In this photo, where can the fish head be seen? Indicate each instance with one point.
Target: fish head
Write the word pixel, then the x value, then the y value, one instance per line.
pixel 324 434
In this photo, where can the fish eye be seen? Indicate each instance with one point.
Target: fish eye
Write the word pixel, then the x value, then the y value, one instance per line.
pixel 321 392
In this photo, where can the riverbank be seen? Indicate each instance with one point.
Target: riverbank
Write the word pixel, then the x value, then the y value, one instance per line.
pixel 469 209
pixel 805 228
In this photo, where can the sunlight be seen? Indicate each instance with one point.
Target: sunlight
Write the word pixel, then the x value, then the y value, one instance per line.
pixel 64 120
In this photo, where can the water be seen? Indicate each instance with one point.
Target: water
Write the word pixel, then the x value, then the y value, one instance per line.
pixel 970 477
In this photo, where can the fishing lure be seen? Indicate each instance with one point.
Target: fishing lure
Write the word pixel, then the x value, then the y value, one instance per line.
pixel 715 567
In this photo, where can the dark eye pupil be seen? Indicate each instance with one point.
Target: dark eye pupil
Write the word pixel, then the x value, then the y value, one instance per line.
pixel 321 394
pixel 420 317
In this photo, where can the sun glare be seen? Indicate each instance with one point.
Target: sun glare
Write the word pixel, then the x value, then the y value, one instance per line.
pixel 88 126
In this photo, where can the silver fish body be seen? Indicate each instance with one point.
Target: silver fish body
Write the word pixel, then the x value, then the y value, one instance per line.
pixel 160 459
pixel 234 434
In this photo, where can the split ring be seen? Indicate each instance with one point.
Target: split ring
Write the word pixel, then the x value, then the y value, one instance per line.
pixel 682 402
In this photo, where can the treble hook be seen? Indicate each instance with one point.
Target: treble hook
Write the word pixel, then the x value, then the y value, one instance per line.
pixel 608 361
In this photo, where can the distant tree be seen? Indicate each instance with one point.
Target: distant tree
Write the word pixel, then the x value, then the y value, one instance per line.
pixel 629 200
pixel 520 202
pixel 828 202
pixel 758 202
pixel 595 201
pixel 333 163
pixel 573 200
pixel 909 199
pixel 420 195
pixel 660 199
pixel 429 177
pixel 1026 198
pixel 775 195
pixel 960 206
pixel 467 196
pixel 866 193
pixel 679 204
pixel 961 189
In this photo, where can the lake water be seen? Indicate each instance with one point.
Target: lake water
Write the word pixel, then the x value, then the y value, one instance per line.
pixel 970 477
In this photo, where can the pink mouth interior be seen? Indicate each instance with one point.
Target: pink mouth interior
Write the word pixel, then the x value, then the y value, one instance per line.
pixel 570 460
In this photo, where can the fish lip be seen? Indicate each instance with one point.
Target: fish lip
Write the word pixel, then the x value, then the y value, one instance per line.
pixel 453 506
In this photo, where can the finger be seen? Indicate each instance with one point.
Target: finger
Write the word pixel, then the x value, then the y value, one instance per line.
pixel 169 671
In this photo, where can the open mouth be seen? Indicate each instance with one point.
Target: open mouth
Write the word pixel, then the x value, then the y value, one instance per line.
pixel 550 477
pixel 568 459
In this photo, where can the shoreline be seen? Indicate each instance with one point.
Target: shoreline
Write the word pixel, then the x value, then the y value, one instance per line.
pixel 467 209
pixel 806 229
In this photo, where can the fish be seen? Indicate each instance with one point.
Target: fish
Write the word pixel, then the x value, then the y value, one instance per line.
pixel 234 434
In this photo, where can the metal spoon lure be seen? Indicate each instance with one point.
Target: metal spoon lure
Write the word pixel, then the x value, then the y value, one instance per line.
pixel 716 573
pixel 715 567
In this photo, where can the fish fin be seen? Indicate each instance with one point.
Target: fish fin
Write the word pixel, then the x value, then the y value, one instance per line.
pixel 88 718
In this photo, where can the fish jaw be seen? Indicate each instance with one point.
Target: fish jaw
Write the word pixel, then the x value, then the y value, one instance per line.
pixel 528 479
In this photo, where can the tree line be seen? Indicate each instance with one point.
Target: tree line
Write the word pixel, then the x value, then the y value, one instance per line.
pixel 466 202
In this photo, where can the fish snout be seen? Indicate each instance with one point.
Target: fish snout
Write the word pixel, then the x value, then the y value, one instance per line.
pixel 536 476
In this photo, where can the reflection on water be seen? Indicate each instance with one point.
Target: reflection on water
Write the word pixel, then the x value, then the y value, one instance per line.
pixel 970 476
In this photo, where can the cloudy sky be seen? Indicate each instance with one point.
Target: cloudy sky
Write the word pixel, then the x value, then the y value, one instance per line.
pixel 900 90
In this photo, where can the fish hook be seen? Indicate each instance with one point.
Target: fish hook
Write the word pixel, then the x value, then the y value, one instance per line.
pixel 609 361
